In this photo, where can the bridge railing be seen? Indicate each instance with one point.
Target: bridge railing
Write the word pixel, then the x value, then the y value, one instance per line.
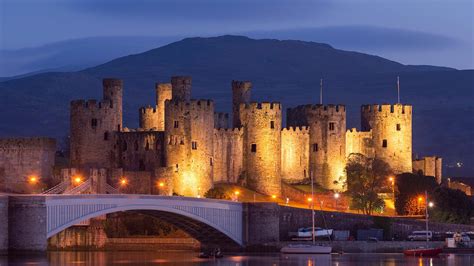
pixel 86 185
pixel 59 188
pixel 110 189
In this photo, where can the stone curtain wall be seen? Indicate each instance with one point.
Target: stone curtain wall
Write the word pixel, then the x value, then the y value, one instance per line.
pixel 429 166
pixel 228 155
pixel 140 150
pixel 295 154
pixel 359 142
pixel 24 157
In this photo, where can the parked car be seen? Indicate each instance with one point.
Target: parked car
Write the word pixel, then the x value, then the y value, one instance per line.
pixel 420 235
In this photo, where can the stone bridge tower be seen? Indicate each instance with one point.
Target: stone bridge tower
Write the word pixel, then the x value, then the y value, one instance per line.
pixel 391 127
pixel 262 146
pixel 93 125
pixel 327 140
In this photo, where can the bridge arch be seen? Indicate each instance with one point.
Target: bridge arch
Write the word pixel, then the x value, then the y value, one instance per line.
pixel 203 219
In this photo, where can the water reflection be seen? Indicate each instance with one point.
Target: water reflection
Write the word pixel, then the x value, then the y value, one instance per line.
pixel 190 258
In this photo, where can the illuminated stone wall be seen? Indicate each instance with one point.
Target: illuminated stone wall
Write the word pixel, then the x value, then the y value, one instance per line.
pixel 359 142
pixel 429 166
pixel 153 118
pixel 189 128
pixel 295 154
pixel 327 133
pixel 391 127
pixel 241 93
pixel 93 125
pixel 228 155
pixel 262 146
pixel 140 150
pixel 21 158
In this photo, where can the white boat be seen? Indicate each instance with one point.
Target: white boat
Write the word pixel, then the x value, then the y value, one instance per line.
pixel 318 232
pixel 310 249
pixel 306 249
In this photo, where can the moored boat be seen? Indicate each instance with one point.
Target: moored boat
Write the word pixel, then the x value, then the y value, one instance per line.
pixel 306 249
pixel 424 252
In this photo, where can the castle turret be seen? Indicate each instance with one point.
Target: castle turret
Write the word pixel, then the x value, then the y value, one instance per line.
pixel 391 127
pixel 153 118
pixel 327 140
pixel 93 125
pixel 181 88
pixel 189 128
pixel 262 146
pixel 241 92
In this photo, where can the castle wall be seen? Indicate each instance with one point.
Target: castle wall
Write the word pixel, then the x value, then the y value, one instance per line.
pixel 21 158
pixel 391 127
pixel 189 144
pixel 262 146
pixel 241 93
pixel 295 154
pixel 181 88
pixel 327 133
pixel 359 142
pixel 221 120
pixel 149 118
pixel 92 127
pixel 228 155
pixel 140 150
pixel 429 166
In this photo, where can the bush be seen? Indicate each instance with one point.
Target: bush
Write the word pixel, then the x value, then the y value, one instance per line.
pixel 217 193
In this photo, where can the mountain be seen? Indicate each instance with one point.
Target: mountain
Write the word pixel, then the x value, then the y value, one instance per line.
pixel 74 54
pixel 287 71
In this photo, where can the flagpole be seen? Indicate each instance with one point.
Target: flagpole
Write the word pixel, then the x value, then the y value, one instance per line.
pixel 398 88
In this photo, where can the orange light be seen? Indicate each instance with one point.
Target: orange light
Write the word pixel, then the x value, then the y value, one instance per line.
pixel 274 196
pixel 161 184
pixel 123 182
pixel 236 192
pixel 420 198
pixel 33 179
pixel 390 179
pixel 78 179
pixel 310 199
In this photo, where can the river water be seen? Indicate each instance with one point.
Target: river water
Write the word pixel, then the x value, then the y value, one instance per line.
pixel 241 259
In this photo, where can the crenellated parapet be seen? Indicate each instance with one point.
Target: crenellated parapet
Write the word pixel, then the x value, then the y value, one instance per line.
pixel 304 115
pixel 386 109
pixel 28 143
pixel 303 130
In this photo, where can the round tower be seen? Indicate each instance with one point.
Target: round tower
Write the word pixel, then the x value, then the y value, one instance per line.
pixel 327 140
pixel 262 146
pixel 189 128
pixel 113 91
pixel 149 118
pixel 391 127
pixel 181 88
pixel 241 92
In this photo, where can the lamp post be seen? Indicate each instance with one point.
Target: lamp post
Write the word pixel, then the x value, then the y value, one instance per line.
pixel 336 197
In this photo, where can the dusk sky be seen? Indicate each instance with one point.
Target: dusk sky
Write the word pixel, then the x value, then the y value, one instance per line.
pixel 438 32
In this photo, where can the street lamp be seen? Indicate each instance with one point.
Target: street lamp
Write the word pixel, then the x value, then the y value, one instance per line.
pixel 336 196
pixel 236 194
pixel 431 204
pixel 77 180
pixel 33 180
pixel 123 182
pixel 274 196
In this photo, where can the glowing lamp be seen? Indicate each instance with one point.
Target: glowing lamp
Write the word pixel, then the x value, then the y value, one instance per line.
pixel 310 199
pixel 161 184
pixel 431 204
pixel 77 179
pixel 420 198
pixel 123 182
pixel 236 192
pixel 336 195
pixel 390 179
pixel 274 196
pixel 33 179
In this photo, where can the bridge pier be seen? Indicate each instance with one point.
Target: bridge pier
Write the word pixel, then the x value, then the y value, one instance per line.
pixel 27 223
pixel 261 223
pixel 3 223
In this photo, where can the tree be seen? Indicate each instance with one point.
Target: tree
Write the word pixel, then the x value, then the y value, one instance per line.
pixel 451 206
pixel 408 188
pixel 217 193
pixel 366 177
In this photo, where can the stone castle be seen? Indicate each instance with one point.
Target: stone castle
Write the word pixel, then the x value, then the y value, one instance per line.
pixel 183 143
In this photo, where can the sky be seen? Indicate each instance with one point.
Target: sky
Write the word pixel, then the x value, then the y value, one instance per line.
pixel 439 32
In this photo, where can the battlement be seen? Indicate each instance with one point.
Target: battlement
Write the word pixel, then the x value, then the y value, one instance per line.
pixel 235 130
pixel 91 104
pixel 295 130
pixel 148 110
pixel 241 85
pixel 201 104
pixel 112 82
pixel 265 106
pixel 319 108
pixel 355 131
pixel 387 108
pixel 28 143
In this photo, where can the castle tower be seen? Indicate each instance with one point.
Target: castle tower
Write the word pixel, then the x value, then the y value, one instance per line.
pixel 241 92
pixel 391 127
pixel 262 146
pixel 154 118
pixel 93 125
pixel 189 128
pixel 327 140
pixel 181 88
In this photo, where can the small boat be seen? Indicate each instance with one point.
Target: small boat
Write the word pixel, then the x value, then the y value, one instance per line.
pixel 306 249
pixel 318 232
pixel 424 252
pixel 216 253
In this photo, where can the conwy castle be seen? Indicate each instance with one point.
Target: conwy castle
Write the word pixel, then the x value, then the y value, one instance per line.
pixel 186 147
